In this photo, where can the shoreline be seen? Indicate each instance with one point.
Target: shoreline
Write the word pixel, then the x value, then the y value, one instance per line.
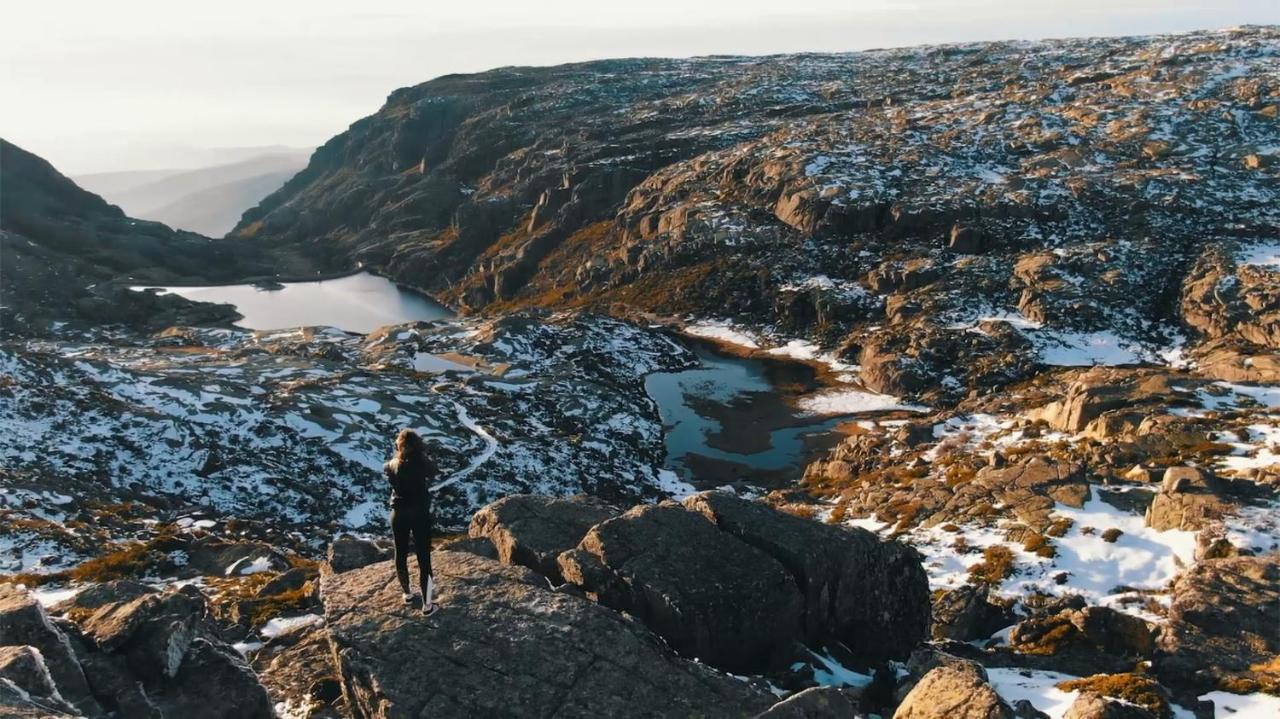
pixel 292 280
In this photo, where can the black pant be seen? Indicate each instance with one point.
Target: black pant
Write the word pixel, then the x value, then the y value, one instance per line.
pixel 412 520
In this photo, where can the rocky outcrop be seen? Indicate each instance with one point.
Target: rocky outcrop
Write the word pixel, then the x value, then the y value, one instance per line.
pixel 1106 393
pixel 1224 300
pixel 872 596
pixel 1237 362
pixel 955 691
pixel 707 593
pixel 24 622
pixel 1188 499
pixel 1091 705
pixel 1087 640
pixel 124 648
pixel 500 626
pixel 1221 626
pixel 532 530
pixel 720 187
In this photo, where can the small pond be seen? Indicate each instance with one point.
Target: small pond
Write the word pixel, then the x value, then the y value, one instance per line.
pixel 733 419
pixel 356 303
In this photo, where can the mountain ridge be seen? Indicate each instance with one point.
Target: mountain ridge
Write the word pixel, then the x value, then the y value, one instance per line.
pixel 788 193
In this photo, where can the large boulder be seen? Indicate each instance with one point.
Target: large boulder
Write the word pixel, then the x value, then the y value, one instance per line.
pixel 1221 626
pixel 709 594
pixel 504 643
pixel 24 622
pixel 872 596
pixel 953 691
pixel 532 530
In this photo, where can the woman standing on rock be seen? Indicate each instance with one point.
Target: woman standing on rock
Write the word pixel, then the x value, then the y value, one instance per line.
pixel 410 473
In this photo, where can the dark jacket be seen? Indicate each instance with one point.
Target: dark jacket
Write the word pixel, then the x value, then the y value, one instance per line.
pixel 409 481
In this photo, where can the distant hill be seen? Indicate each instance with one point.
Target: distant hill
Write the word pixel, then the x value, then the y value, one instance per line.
pixel 208 200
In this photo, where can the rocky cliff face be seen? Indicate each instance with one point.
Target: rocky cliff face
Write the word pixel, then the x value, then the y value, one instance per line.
pixel 876 200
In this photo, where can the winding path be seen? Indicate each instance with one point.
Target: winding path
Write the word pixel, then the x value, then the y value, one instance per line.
pixel 491 447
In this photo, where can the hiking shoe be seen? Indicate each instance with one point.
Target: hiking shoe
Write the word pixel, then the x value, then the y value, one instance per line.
pixel 408 597
pixel 429 610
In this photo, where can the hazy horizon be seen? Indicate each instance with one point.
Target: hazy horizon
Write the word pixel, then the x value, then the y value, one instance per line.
pixel 141 85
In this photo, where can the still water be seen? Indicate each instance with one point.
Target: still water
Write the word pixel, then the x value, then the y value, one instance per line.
pixel 732 419
pixel 356 303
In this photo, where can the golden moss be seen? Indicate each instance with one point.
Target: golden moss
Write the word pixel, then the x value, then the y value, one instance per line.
pixel 1041 546
pixel 838 513
pixel 1059 527
pixel 1052 641
pixel 996 565
pixel 1133 688
pixel 289 602
pixel 958 474
pixel 804 511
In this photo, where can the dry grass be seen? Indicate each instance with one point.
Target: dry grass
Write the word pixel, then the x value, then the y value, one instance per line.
pixel 126 561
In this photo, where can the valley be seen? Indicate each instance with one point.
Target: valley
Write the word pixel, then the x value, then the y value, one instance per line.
pixel 839 384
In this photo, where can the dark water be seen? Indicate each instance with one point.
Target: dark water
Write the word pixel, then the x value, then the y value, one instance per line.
pixel 731 419
pixel 356 303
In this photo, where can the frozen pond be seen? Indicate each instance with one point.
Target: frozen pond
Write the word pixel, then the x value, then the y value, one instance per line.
pixel 356 303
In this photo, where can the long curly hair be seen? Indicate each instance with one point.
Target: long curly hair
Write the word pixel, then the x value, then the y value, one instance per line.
pixel 410 447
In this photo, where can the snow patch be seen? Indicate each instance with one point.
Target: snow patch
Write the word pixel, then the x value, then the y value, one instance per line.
pixel 1038 687
pixel 1264 254
pixel 280 625
pixel 723 332
pixel 853 401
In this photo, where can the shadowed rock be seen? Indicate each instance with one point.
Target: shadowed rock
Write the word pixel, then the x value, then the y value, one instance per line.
pixel 873 596
pixel 966 613
pixel 707 593
pixel 24 667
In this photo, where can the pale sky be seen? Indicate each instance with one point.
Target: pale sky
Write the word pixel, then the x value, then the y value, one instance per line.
pixel 97 85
